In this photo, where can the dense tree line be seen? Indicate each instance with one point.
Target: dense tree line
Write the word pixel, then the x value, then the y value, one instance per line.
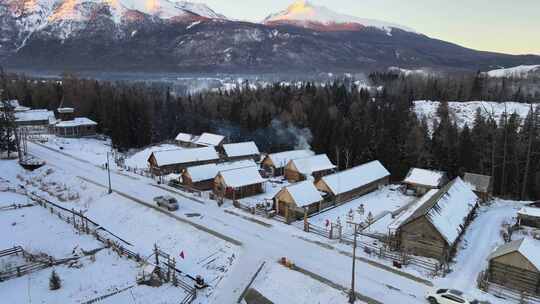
pixel 350 124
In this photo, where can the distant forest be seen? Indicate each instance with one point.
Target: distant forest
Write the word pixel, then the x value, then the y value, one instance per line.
pixel 350 124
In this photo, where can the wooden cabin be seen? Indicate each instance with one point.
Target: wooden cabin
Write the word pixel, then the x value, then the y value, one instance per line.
pixel 422 180
pixel 35 121
pixel 239 183
pixel 65 114
pixel 293 200
pixel 431 227
pixel 274 163
pixel 516 265
pixel 241 151
pixel 529 216
pixel 482 185
pixel 202 177
pixel 355 182
pixel 176 160
pixel 209 140
pixel 79 127
pixel 301 168
pixel 186 140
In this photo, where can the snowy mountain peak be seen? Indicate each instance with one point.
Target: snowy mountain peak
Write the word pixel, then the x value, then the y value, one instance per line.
pixel 306 14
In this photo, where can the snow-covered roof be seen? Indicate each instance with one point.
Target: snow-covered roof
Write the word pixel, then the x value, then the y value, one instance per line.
pixel 209 171
pixel 281 159
pixel 529 248
pixel 447 209
pixel 304 193
pixel 14 103
pixel 479 183
pixel 308 165
pixel 425 177
pixel 35 115
pixel 209 139
pixel 77 122
pixel 241 149
pixel 405 215
pixel 182 156
pixel 530 211
pixel 246 176
pixel 65 110
pixel 356 177
pixel 184 137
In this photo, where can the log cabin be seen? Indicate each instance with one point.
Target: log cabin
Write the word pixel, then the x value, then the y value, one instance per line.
pixel 239 183
pixel 314 166
pixel 274 163
pixel 529 216
pixel 482 185
pixel 291 201
pixel 209 140
pixel 241 151
pixel 432 226
pixel 423 180
pixel 202 177
pixel 78 127
pixel 516 265
pixel 176 160
pixel 355 182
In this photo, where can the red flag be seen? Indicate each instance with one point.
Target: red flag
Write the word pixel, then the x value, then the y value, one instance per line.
pixel 182 254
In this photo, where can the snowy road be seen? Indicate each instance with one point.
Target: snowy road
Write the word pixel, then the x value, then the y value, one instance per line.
pixel 259 243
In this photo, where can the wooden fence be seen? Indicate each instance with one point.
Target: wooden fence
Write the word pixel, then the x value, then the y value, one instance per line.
pixel 380 251
pixel 504 292
pixel 110 240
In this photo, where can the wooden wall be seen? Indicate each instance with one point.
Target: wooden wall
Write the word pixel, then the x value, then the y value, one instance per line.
pixel 420 237
pixel 516 272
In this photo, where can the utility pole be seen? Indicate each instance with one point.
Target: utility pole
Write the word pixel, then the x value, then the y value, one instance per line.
pixel 109 173
pixel 352 294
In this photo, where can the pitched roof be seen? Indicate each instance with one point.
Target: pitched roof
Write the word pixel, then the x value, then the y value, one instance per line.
pixel 35 115
pixel 181 156
pixel 184 137
pixel 480 183
pixel 241 149
pixel 530 211
pixel 405 215
pixel 209 139
pixel 304 193
pixel 530 249
pixel 281 159
pixel 446 209
pixel 79 121
pixel 425 177
pixel 356 177
pixel 209 171
pixel 242 177
pixel 308 165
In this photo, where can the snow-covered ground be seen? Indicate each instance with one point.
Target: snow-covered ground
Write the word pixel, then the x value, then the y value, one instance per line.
pixel 464 112
pixel 271 188
pixel 521 71
pixel 378 203
pixel 90 149
pixel 282 285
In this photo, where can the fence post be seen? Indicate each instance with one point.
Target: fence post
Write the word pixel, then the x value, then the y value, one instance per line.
pixel 331 231
pixel 306 223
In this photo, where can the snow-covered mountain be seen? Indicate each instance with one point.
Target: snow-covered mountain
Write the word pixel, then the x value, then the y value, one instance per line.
pixel 305 14
pixel 522 71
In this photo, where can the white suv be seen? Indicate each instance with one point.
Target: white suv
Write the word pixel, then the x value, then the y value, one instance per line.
pixel 448 296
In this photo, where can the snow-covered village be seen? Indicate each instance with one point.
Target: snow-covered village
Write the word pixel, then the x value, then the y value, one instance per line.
pixel 330 152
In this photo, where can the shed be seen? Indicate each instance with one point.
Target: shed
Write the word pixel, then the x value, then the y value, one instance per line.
pixel 516 265
pixel 185 139
pixel 66 113
pixel 296 198
pixel 35 121
pixel 176 160
pixel 482 185
pixel 275 163
pixel 432 226
pixel 352 183
pixel 78 127
pixel 301 168
pixel 239 183
pixel 209 140
pixel 423 180
pixel 202 177
pixel 243 150
pixel 529 216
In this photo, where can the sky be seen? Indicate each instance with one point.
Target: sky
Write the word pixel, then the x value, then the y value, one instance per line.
pixel 492 25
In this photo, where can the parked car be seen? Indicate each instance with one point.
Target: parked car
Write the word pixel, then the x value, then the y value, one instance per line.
pixel 448 296
pixel 166 201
